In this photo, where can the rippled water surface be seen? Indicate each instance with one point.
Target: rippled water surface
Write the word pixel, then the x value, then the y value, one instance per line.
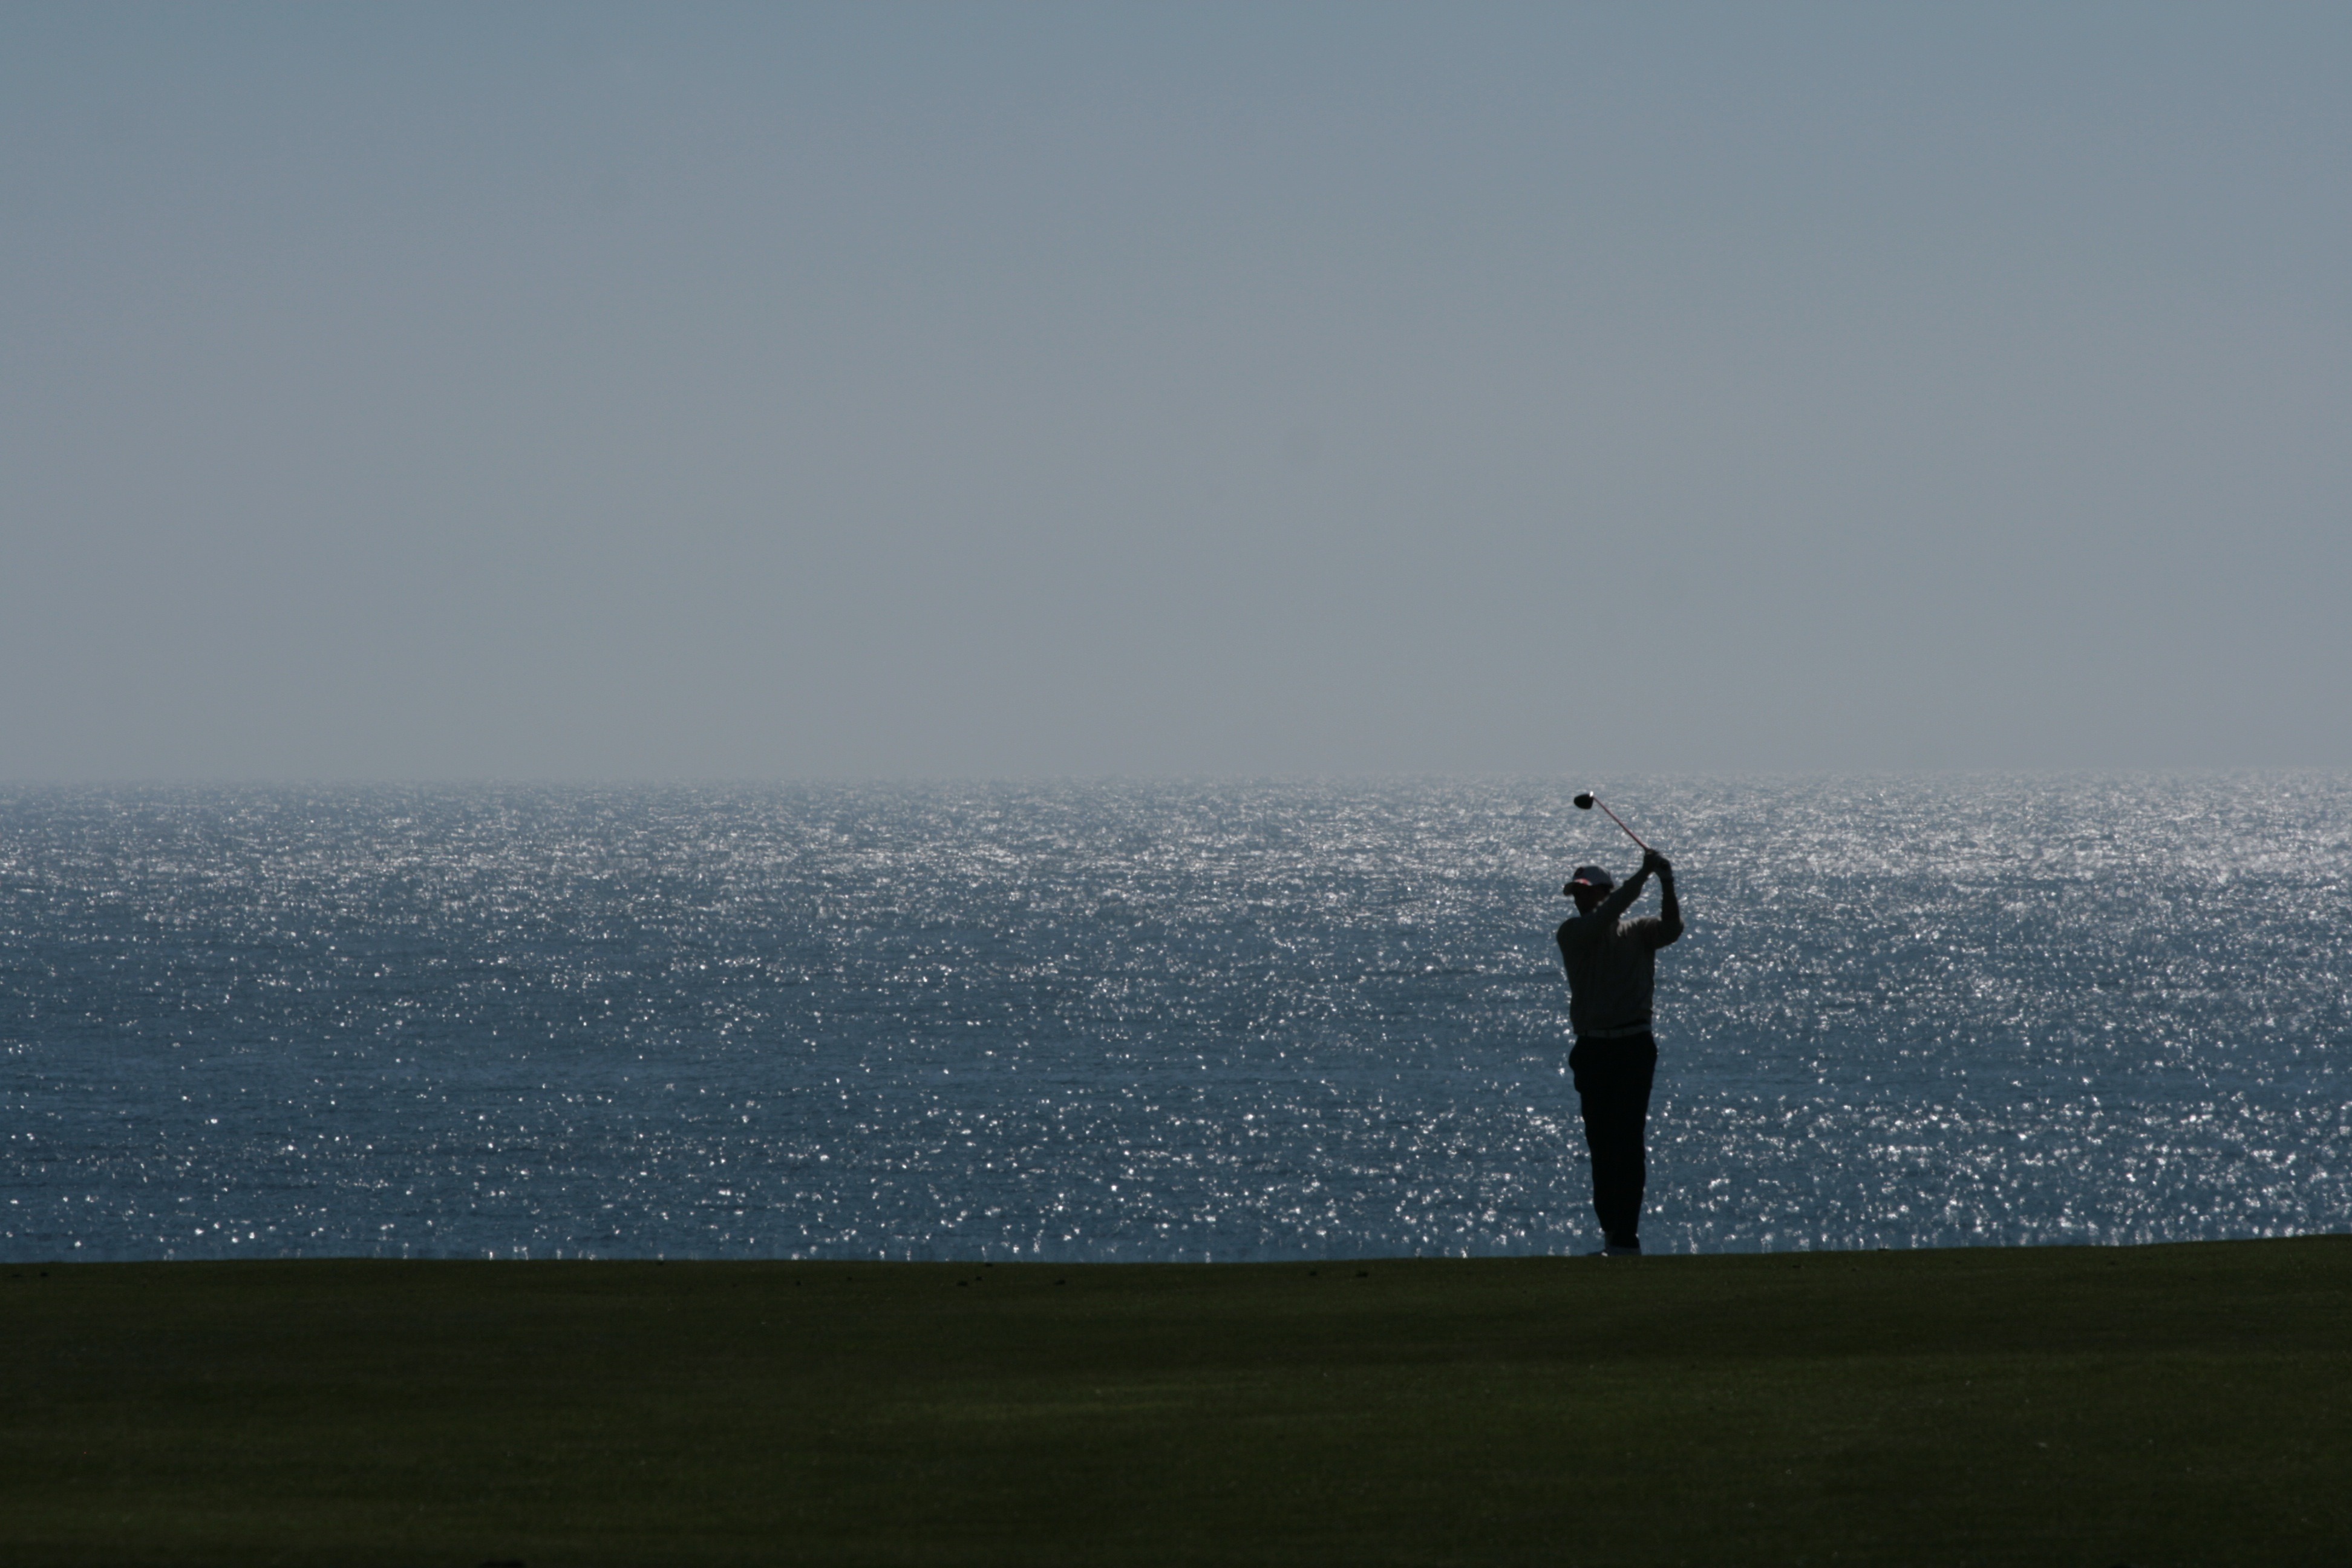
pixel 1159 1020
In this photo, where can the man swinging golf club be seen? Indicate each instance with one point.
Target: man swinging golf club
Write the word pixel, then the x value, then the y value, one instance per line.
pixel 1611 964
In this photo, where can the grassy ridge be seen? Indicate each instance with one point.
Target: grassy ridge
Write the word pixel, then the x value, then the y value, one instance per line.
pixel 2149 1405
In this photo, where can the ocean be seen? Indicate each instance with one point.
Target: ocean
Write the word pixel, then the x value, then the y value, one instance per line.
pixel 1159 1020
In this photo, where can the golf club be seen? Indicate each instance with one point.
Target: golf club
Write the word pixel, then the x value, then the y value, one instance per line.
pixel 1588 800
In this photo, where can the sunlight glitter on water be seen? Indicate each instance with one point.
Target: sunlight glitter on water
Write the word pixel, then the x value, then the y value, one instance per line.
pixel 1158 1021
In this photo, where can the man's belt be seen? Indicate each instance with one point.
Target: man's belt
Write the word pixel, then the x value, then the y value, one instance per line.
pixel 1622 1032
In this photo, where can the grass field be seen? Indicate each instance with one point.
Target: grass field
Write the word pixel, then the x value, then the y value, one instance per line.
pixel 2145 1405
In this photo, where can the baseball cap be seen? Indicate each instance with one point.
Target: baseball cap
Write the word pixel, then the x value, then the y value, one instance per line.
pixel 1591 877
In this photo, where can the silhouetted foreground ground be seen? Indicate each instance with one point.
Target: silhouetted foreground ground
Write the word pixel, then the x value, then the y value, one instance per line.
pixel 2149 1405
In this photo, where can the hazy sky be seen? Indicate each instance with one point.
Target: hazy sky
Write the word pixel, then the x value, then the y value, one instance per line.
pixel 576 392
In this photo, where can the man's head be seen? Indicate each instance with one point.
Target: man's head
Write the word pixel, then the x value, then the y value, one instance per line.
pixel 1588 888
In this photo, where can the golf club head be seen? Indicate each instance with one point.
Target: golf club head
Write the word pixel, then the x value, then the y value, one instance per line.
pixel 1584 801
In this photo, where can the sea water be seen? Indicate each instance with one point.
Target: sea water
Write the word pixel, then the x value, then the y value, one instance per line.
pixel 1159 1021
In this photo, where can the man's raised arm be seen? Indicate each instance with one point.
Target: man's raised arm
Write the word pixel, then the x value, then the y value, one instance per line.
pixel 1670 908
pixel 1619 899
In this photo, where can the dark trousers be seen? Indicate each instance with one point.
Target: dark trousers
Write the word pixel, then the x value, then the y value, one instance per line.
pixel 1613 1080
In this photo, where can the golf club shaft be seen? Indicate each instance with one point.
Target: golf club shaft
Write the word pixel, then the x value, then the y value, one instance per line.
pixel 1621 822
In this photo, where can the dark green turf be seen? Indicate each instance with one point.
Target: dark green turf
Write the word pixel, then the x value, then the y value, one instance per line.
pixel 2149 1405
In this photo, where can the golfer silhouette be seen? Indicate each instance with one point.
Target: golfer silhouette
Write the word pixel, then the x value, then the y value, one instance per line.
pixel 1611 970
